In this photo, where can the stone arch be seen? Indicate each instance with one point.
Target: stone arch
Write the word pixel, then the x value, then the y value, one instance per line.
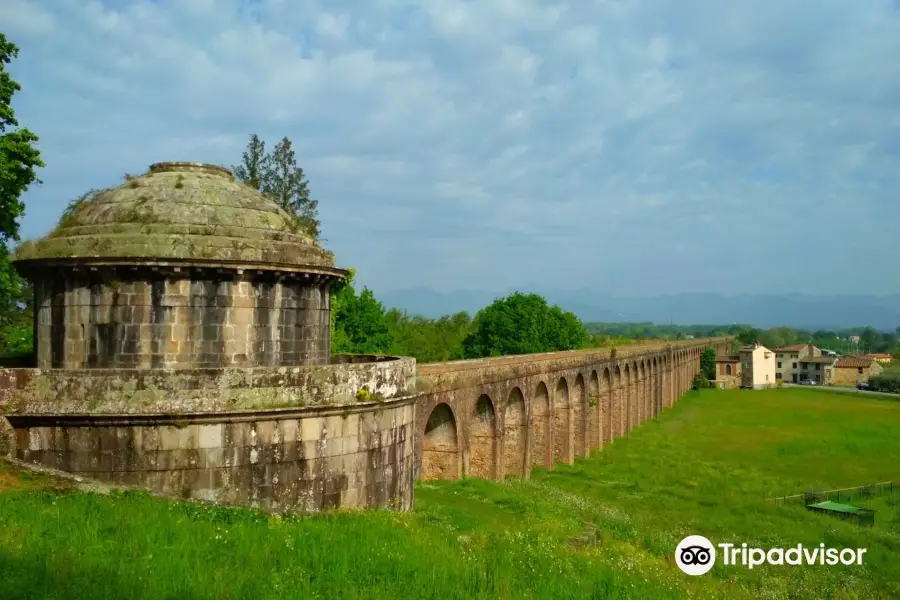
pixel 657 386
pixel 618 426
pixel 595 413
pixel 641 393
pixel 606 407
pixel 579 417
pixel 541 427
pixel 728 369
pixel 440 445
pixel 483 439
pixel 628 393
pixel 562 423
pixel 515 434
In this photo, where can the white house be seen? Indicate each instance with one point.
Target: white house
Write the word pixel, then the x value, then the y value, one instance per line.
pixel 757 367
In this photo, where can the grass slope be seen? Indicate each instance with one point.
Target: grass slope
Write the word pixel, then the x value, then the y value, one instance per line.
pixel 605 527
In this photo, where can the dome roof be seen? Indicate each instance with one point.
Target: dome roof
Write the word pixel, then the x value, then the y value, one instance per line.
pixel 180 212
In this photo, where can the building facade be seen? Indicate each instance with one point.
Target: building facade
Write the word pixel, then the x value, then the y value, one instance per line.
pixel 881 357
pixel 850 370
pixel 728 372
pixel 757 367
pixel 787 358
pixel 819 369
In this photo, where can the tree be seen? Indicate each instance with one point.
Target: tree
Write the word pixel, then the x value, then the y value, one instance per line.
pixel 359 323
pixel 255 163
pixel 523 324
pixel 19 161
pixel 285 182
pixel 278 176
pixel 870 340
pixel 708 363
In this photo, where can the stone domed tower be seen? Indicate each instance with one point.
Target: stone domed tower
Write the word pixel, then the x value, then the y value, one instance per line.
pixel 180 268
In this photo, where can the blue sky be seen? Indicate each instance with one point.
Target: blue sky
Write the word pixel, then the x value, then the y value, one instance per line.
pixel 632 147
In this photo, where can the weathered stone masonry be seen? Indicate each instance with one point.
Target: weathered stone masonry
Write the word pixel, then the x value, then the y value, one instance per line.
pixel 180 317
pixel 497 417
pixel 183 346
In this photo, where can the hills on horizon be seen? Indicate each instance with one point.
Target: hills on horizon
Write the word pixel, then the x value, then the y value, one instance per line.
pixel 760 310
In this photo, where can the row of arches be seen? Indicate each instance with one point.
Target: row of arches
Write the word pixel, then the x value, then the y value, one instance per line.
pixel 556 418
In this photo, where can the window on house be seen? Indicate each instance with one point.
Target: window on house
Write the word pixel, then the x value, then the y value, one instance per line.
pixel 795 365
pixel 777 375
pixel 728 369
pixel 818 367
pixel 779 365
pixel 767 376
pixel 859 370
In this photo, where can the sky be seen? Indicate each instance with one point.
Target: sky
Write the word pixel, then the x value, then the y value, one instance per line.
pixel 632 147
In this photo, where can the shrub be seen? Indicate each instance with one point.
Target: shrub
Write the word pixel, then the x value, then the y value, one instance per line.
pixel 700 382
pixel 889 382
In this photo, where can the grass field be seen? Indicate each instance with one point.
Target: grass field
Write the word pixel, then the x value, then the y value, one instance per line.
pixel 605 527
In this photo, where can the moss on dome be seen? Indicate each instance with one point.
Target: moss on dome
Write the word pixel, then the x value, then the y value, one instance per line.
pixel 179 211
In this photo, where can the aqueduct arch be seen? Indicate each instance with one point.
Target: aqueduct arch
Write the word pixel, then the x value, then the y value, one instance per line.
pixel 440 445
pixel 483 440
pixel 515 435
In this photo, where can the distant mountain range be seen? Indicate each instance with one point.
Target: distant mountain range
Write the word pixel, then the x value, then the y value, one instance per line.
pixel 759 310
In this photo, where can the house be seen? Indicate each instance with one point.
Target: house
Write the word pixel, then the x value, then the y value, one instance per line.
pixel 757 367
pixel 788 360
pixel 881 357
pixel 854 338
pixel 850 370
pixel 728 372
pixel 819 369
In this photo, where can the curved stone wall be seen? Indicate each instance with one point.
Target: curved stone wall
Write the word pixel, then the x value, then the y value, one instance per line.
pixel 347 380
pixel 180 317
pixel 306 459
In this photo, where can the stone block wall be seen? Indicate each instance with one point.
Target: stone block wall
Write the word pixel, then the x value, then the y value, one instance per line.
pixel 129 391
pixel 290 460
pixel 195 318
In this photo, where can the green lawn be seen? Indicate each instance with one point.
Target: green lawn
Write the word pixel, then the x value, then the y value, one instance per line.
pixel 605 527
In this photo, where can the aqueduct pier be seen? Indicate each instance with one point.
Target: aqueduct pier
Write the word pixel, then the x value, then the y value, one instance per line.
pixel 504 416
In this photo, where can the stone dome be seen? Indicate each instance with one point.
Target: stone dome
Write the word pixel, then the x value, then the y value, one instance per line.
pixel 180 213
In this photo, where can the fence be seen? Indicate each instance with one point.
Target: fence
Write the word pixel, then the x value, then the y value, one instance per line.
pixel 843 495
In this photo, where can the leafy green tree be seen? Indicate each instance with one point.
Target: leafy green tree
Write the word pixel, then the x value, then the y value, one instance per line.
pixel 359 323
pixel 523 324
pixel 278 176
pixel 749 336
pixel 428 340
pixel 870 340
pixel 19 161
pixel 708 363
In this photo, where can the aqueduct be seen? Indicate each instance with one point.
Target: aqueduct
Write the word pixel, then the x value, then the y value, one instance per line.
pixel 497 417
pixel 183 346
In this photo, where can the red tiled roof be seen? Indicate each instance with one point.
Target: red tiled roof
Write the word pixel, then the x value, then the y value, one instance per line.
pixel 854 362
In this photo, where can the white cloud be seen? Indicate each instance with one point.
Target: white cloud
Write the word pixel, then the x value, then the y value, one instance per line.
pixel 500 142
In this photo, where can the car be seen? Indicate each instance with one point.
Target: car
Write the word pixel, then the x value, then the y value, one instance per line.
pixel 807 381
pixel 862 385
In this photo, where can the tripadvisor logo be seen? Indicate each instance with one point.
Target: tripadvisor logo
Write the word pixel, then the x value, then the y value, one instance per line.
pixel 696 555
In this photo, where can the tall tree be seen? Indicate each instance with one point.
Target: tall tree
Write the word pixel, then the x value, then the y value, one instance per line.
pixel 708 363
pixel 19 161
pixel 286 183
pixel 277 175
pixel 523 324
pixel 255 163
